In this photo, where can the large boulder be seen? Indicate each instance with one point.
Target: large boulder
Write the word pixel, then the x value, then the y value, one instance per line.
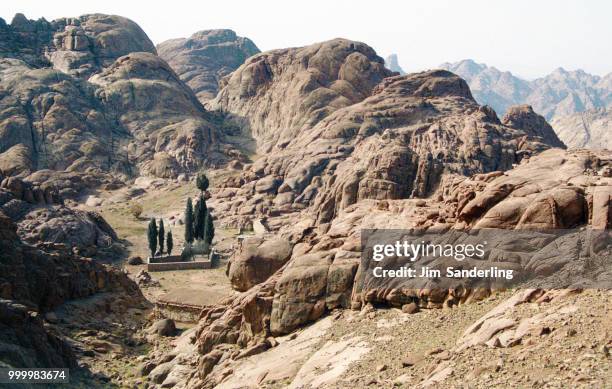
pixel 256 260
pixel 300 292
pixel 85 232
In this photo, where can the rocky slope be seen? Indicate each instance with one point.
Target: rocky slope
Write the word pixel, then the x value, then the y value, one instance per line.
pixel 34 281
pixel 322 273
pixel 90 95
pixel 278 95
pixel 399 142
pixel 204 58
pixel 590 129
pixel 417 152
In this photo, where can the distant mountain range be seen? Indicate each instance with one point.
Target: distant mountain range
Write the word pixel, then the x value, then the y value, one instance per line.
pixel 561 97
pixel 392 63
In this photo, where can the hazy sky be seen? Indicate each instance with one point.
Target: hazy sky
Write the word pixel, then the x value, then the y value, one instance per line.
pixel 528 37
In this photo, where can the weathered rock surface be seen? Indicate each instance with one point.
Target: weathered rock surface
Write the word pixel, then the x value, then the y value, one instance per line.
pixel 589 129
pixel 34 281
pixel 168 124
pixel 256 260
pixel 311 82
pixel 163 327
pixel 325 263
pixel 401 142
pixel 26 343
pixel 104 103
pixel 204 58
pixel 524 118
pixel 78 46
pixel 43 219
pixel 84 232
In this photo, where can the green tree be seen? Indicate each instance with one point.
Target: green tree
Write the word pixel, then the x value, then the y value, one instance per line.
pixel 209 228
pixel 169 242
pixel 152 236
pixel 199 224
pixel 189 221
pixel 161 235
pixel 202 181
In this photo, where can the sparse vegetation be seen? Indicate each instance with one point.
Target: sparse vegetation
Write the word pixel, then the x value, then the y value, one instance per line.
pixel 136 210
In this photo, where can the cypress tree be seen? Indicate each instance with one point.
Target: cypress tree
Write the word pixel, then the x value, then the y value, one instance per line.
pixel 169 243
pixel 189 221
pixel 209 228
pixel 152 236
pixel 200 218
pixel 161 236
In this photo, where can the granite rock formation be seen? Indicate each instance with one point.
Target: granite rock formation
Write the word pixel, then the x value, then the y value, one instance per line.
pixel 90 95
pixel 311 82
pixel 591 129
pixel 203 59
pixel 399 142
pixel 406 152
pixel 77 46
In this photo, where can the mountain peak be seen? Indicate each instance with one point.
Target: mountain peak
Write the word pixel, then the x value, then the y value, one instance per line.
pixel 392 64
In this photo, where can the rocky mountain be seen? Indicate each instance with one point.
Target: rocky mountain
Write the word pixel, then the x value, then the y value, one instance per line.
pixel 500 90
pixel 397 139
pixel 89 94
pixel 312 82
pixel 381 150
pixel 561 97
pixel 563 93
pixel 392 63
pixel 338 144
pixel 590 129
pixel 204 58
pixel 558 94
